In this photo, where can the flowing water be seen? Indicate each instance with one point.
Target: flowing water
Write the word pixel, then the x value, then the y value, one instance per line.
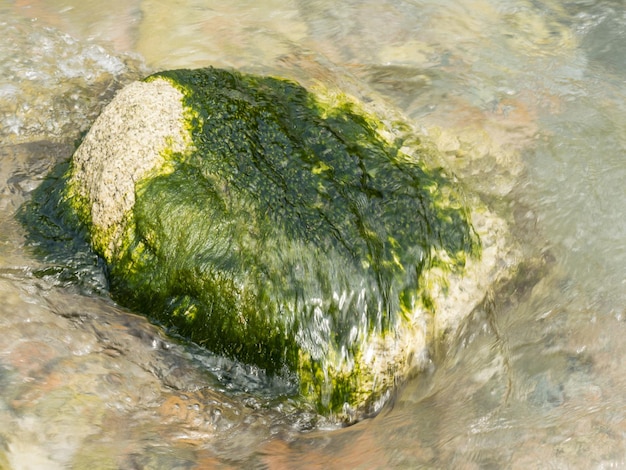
pixel 528 100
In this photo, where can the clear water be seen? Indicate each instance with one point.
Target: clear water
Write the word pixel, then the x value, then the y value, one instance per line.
pixel 529 100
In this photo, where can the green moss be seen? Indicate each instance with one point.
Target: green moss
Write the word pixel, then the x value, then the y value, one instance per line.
pixel 188 264
pixel 292 234
pixel 57 234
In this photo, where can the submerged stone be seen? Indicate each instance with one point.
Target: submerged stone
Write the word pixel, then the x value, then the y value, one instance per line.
pixel 288 229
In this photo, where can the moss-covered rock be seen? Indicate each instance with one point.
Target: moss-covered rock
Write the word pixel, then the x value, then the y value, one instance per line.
pixel 284 228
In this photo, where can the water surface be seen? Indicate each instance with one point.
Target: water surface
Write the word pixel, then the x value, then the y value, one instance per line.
pixel 528 100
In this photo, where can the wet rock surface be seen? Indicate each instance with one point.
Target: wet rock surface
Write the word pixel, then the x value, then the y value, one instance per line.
pixel 535 75
pixel 286 228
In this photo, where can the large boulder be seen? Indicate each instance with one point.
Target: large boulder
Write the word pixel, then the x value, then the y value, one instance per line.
pixel 290 230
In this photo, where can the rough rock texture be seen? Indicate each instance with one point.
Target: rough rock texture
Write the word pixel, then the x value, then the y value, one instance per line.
pixel 289 230
pixel 123 146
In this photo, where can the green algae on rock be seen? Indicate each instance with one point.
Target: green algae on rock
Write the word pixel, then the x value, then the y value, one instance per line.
pixel 284 228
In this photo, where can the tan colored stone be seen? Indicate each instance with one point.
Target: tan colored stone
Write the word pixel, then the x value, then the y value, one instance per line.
pixel 145 119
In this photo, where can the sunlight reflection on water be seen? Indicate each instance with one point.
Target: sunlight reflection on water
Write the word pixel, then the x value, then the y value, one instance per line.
pixel 533 91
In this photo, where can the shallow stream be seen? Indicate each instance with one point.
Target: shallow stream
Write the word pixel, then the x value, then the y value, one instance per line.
pixel 528 100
